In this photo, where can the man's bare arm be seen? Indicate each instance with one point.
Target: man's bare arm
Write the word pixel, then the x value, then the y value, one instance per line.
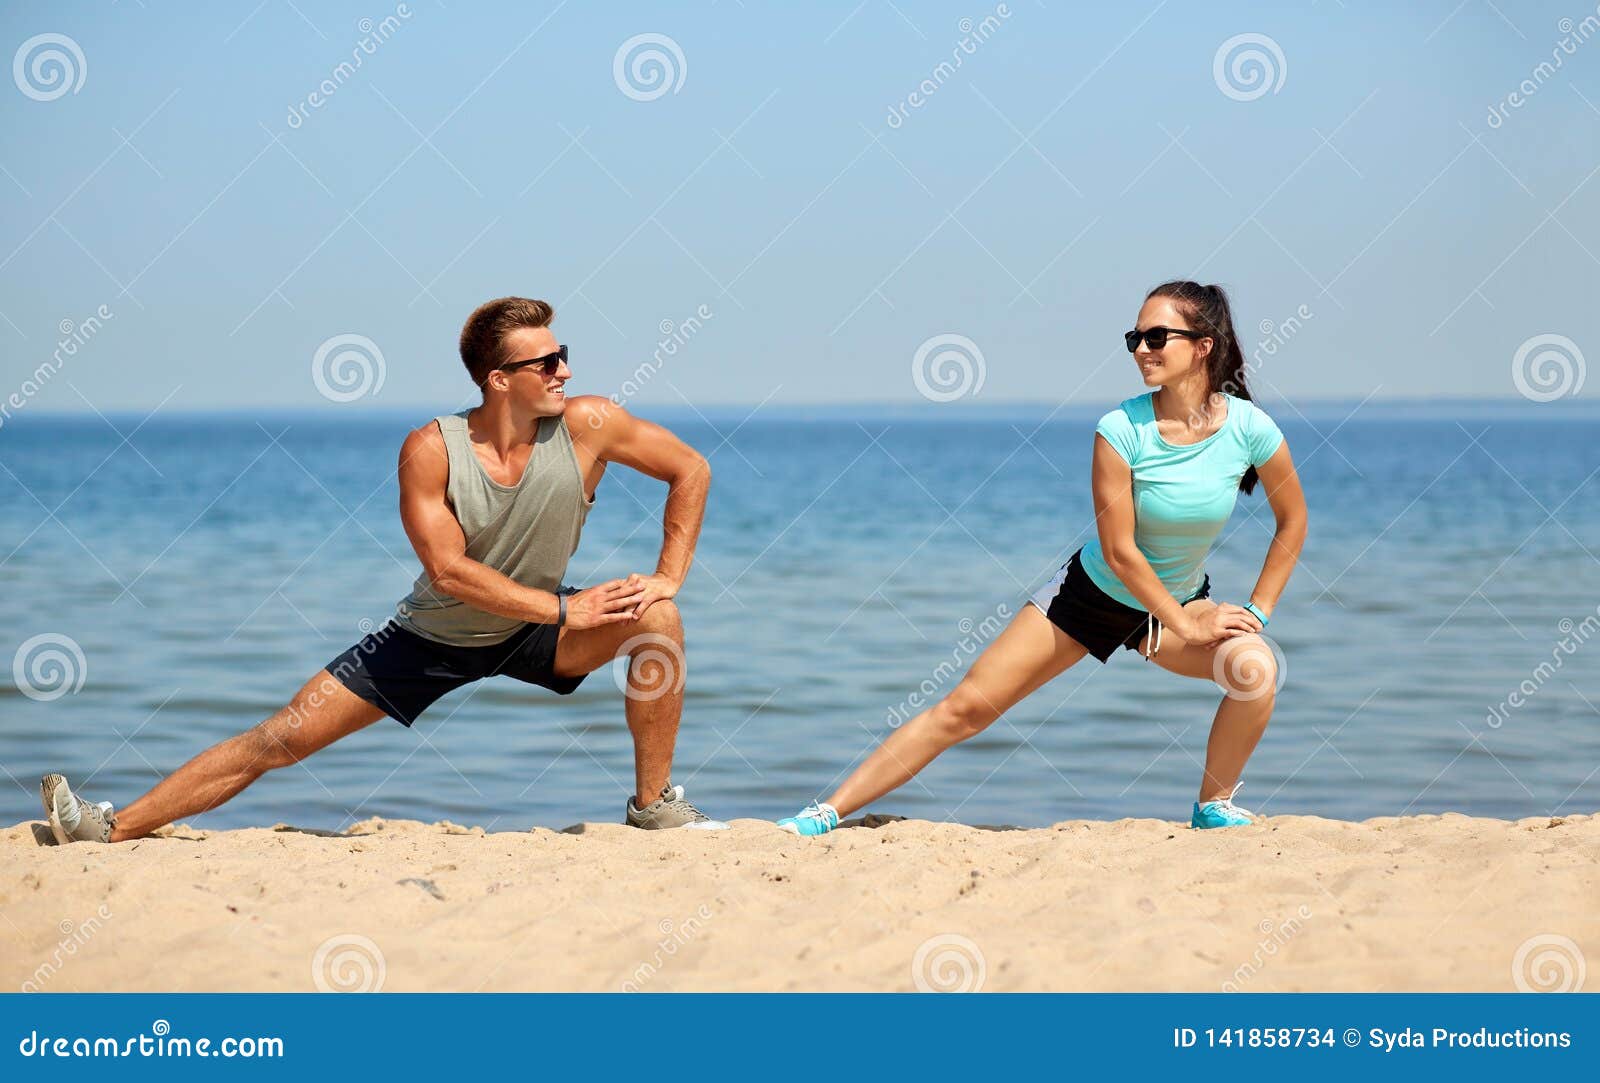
pixel 436 535
pixel 611 434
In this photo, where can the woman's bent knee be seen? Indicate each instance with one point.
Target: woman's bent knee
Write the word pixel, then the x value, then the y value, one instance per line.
pixel 1246 667
pixel 963 714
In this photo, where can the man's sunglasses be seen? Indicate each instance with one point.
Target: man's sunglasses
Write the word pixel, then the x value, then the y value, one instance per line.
pixel 1156 337
pixel 548 363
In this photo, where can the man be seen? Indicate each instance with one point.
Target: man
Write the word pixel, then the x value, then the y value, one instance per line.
pixel 493 500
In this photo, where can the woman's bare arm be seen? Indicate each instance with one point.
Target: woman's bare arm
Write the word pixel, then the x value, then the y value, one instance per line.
pixel 1114 519
pixel 1288 501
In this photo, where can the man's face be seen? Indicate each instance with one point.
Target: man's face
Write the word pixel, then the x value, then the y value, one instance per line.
pixel 529 388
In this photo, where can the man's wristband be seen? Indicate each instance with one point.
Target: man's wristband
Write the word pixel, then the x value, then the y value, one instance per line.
pixel 561 611
pixel 1250 607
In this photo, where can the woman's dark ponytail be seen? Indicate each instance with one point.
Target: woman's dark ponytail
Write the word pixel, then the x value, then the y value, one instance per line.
pixel 1208 311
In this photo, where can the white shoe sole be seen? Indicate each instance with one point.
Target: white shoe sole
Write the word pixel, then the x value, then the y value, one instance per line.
pixel 53 814
pixel 62 838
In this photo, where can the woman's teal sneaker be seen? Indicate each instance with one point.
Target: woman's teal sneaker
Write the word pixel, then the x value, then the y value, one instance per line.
pixel 814 819
pixel 1223 813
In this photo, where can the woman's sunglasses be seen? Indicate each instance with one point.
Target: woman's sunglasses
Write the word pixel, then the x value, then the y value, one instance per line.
pixel 548 363
pixel 1156 337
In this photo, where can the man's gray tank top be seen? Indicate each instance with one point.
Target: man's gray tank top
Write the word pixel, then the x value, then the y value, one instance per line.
pixel 527 531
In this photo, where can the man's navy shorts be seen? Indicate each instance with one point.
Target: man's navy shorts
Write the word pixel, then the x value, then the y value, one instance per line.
pixel 402 673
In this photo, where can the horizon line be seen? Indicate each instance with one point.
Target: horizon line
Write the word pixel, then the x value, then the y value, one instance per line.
pixel 372 409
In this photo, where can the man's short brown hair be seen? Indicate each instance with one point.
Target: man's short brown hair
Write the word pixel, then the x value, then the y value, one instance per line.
pixel 483 336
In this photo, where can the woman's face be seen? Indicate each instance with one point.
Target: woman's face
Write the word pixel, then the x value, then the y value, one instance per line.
pixel 1179 357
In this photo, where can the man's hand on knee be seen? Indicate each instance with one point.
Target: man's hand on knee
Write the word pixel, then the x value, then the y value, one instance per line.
pixel 608 603
pixel 654 588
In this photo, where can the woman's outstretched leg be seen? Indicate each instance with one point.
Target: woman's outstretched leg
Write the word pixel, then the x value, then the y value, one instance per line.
pixel 1027 654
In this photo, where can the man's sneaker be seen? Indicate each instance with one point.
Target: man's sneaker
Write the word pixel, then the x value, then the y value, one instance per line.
pixel 72 819
pixel 814 819
pixel 1223 813
pixel 672 809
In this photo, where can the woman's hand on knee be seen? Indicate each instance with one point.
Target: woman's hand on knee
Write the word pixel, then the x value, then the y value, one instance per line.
pixel 1222 621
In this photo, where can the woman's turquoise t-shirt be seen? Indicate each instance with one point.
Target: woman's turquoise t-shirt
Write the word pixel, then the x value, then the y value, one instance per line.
pixel 1182 494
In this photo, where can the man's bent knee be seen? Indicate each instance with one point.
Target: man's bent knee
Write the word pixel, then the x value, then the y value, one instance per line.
pixel 271 744
pixel 663 618
pixel 305 724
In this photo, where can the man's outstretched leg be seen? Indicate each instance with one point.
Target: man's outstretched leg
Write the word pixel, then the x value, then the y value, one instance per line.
pixel 654 646
pixel 320 713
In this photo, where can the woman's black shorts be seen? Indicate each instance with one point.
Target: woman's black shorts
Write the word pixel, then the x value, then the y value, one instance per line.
pixel 1090 615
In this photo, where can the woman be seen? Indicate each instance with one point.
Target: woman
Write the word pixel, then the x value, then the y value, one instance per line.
pixel 1167 467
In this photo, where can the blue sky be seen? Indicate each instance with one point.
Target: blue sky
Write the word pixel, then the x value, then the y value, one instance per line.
pixel 1073 159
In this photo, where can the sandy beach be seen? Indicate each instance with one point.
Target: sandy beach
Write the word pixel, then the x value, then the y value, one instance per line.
pixel 1293 903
